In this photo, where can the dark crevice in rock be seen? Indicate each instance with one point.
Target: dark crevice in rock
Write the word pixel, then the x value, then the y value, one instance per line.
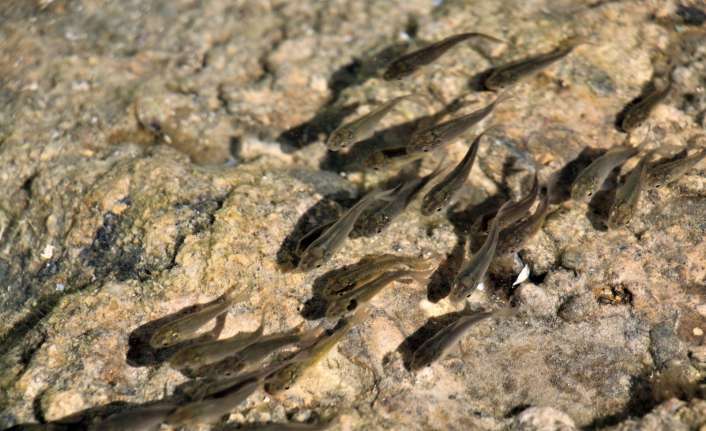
pixel 24 326
pixel 640 403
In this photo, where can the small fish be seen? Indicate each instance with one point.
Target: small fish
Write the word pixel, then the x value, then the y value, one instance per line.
pixel 384 160
pixel 512 238
pixel 514 211
pixel 366 270
pixel 359 129
pixel 186 326
pixel 440 196
pixel 218 398
pixel 472 274
pixel 436 347
pixel 409 63
pixel 269 344
pixel 628 195
pixel 145 418
pixel 666 173
pixel 330 241
pixel 517 210
pixel 379 220
pixel 210 352
pixel 436 136
pixel 306 240
pixel 217 385
pixel 285 377
pixel 637 113
pixel 508 74
pixel 210 410
pixel 592 178
pixel 350 300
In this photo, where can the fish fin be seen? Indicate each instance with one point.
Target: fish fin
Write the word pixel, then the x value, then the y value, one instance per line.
pixel 420 277
pixel 387 195
pixel 576 40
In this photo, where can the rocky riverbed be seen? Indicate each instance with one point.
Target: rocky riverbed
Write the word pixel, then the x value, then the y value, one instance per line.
pixel 154 154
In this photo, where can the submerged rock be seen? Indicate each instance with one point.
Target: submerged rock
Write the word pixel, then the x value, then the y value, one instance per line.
pixel 155 154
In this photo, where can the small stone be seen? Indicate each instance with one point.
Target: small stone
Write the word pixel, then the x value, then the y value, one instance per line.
pixel 697 332
pixel 544 419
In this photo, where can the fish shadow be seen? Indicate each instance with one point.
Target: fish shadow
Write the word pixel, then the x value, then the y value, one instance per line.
pixel 331 116
pixel 432 326
pixel 328 119
pixel 441 280
pixel 326 210
pixel 477 81
pixel 599 207
pixel 141 354
pixel 646 90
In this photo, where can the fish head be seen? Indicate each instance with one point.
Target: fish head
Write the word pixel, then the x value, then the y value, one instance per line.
pixel 339 308
pixel 494 82
pixel 163 338
pixel 584 187
pixel 340 139
pixel 283 379
pixel 464 287
pixel 311 258
pixel 425 142
pixel 422 358
pixel 436 202
pixel 396 70
pixel 658 181
pixel 620 215
pixel 374 161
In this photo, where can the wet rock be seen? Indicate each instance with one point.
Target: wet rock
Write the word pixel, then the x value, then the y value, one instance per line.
pixel 155 154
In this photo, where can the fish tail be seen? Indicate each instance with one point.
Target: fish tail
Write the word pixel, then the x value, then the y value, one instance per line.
pixel 385 195
pixel 484 36
pixel 575 40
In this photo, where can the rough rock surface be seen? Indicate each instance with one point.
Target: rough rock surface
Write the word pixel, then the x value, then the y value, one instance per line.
pixel 154 154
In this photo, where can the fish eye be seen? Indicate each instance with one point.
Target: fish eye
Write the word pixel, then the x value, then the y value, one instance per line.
pixel 438 209
pixel 318 265
pixel 658 185
pixel 589 194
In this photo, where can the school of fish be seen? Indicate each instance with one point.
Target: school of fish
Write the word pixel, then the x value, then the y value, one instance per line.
pixel 227 371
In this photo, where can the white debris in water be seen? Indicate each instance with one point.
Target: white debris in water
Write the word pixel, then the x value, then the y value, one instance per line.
pixel 481 286
pixel 60 287
pixel 48 252
pixel 523 276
